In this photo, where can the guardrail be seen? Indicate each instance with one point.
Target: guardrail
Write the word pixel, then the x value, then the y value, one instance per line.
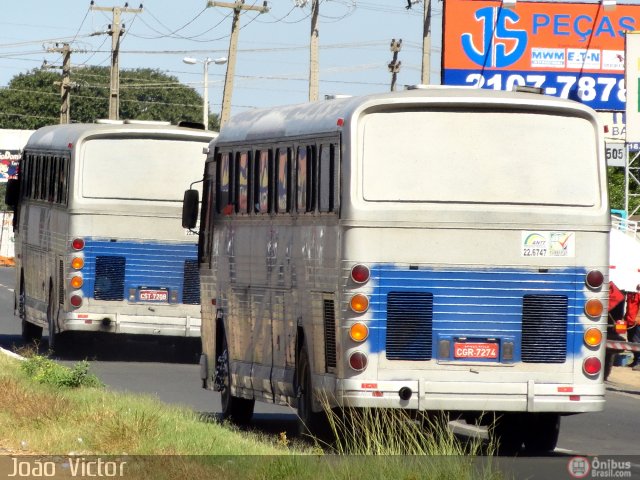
pixel 624 224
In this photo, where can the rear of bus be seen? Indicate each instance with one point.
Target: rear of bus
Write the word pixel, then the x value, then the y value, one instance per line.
pixel 475 254
pixel 131 268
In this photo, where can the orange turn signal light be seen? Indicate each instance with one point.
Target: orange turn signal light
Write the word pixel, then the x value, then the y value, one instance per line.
pixel 359 303
pixel 358 332
pixel 77 263
pixel 593 337
pixel 76 282
pixel 593 307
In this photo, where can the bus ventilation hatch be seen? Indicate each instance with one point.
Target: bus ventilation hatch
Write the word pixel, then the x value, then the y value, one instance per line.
pixel 544 328
pixel 329 334
pixel 109 278
pixel 191 278
pixel 409 325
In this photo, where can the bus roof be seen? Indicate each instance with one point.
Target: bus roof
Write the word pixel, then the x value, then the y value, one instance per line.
pixel 60 136
pixel 322 116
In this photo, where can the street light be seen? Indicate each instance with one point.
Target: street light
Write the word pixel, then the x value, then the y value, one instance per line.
pixel 205 96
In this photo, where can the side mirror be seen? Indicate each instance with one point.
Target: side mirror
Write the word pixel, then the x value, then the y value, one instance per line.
pixel 190 209
pixel 12 194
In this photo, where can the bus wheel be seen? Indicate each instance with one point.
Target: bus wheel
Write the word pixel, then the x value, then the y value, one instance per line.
pixel 507 434
pixel 51 323
pixel 30 332
pixel 609 358
pixel 238 410
pixel 541 432
pixel 310 423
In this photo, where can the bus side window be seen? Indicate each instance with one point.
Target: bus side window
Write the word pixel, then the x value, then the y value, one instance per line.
pixel 301 180
pixel 312 178
pixel 37 170
pixel 44 178
pixel 52 179
pixel 25 175
pixel 242 182
pixel 261 187
pixel 283 171
pixel 223 193
pixel 335 177
pixel 324 179
pixel 63 192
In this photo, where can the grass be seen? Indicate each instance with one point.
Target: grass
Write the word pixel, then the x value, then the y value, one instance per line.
pixel 48 409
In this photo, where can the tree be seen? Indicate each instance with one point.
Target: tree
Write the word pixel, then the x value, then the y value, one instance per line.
pixel 32 100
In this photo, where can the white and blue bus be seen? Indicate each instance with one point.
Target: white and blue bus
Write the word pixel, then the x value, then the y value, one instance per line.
pixel 436 249
pixel 99 244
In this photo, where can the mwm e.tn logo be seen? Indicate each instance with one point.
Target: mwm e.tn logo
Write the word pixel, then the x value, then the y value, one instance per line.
pixel 508 44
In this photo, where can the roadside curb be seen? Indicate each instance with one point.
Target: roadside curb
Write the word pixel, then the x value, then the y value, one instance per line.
pixel 12 354
pixel 621 387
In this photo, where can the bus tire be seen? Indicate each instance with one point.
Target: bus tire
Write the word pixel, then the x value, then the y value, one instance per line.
pixel 506 434
pixel 30 332
pixel 541 432
pixel 609 358
pixel 310 423
pixel 236 409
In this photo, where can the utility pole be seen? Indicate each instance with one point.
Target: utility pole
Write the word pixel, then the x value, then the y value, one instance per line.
pixel 426 40
pixel 116 31
pixel 313 53
pixel 394 65
pixel 65 84
pixel 237 7
pixel 426 44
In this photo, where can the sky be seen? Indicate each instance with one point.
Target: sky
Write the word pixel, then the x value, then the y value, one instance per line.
pixel 273 50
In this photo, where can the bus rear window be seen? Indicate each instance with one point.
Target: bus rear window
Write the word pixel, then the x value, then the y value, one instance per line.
pixel 502 157
pixel 143 169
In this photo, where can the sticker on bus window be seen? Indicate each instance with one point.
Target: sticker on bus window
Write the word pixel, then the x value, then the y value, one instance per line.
pixel 548 244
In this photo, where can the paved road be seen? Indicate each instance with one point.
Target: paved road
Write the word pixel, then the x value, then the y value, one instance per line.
pixel 171 375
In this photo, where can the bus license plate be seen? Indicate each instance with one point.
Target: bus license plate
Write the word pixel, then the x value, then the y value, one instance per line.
pixel 475 350
pixel 153 295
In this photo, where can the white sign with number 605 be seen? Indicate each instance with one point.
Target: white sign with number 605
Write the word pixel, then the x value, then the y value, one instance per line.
pixel 616 154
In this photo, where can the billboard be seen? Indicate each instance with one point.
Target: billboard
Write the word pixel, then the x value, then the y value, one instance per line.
pixel 571 50
pixel 11 144
pixel 632 70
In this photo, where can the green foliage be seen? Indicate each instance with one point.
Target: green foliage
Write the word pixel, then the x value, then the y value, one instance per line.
pixel 32 100
pixel 45 370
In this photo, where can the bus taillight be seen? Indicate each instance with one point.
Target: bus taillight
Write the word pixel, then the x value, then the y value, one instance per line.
pixel 593 307
pixel 594 279
pixel 360 273
pixel 358 332
pixel 77 243
pixel 592 366
pixel 359 303
pixel 358 361
pixel 75 301
pixel 76 282
pixel 593 337
pixel 77 263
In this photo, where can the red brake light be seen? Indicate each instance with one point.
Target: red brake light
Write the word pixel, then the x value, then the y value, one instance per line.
pixel 77 243
pixel 594 279
pixel 360 273
pixel 75 300
pixel 592 366
pixel 358 361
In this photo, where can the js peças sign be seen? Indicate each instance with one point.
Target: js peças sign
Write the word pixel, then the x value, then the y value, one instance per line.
pixel 571 50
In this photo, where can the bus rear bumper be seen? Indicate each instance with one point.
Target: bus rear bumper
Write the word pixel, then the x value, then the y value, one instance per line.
pixel 468 396
pixel 134 325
